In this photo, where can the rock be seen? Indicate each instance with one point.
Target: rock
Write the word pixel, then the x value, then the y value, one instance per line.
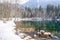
pixel 42 32
pixel 22 35
pixel 28 38
pixel 48 35
pixel 35 36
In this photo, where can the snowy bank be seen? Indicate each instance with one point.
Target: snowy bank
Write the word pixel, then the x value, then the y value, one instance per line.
pixel 7 31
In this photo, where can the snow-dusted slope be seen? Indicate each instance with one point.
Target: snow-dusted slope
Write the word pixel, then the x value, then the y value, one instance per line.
pixel 7 31
pixel 43 3
pixel 14 1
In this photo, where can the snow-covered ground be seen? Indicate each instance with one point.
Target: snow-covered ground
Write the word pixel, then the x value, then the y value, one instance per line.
pixel 7 31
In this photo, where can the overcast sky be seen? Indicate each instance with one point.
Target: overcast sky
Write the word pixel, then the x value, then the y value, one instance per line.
pixel 24 1
pixel 31 1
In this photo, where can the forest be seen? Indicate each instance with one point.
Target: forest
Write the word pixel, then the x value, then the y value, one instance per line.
pixel 13 10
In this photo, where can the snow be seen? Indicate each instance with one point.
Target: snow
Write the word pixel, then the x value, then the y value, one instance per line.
pixel 7 31
pixel 47 33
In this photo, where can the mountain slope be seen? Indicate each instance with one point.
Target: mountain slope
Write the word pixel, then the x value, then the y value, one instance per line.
pixel 34 3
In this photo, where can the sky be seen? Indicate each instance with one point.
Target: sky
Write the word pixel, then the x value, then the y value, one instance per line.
pixel 32 3
pixel 25 1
